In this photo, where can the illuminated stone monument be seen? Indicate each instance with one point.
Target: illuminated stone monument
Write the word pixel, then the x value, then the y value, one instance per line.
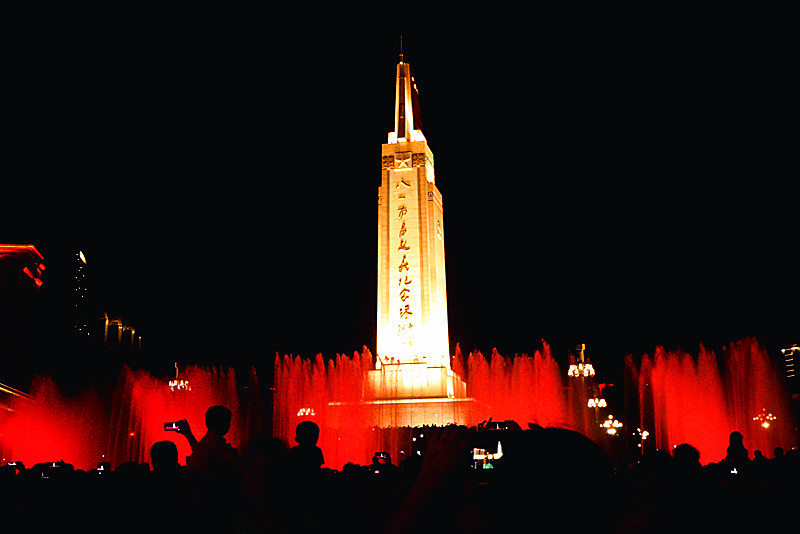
pixel 412 378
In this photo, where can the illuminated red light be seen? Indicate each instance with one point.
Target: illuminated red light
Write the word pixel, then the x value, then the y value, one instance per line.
pixel 33 257
pixel 78 428
pixel 20 249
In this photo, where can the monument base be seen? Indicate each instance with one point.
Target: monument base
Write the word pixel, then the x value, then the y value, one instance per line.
pixel 413 394
pixel 413 381
pixel 413 412
pixel 420 412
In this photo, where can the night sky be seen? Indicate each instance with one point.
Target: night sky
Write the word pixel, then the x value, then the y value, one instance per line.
pixel 622 185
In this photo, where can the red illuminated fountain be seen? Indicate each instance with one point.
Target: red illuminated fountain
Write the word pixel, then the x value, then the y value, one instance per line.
pixel 686 400
pixel 677 398
pixel 50 426
pixel 122 425
pixel 336 396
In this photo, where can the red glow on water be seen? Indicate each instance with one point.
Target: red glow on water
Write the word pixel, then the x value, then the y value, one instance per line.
pixel 524 389
pixel 142 404
pixel 676 397
pixel 52 427
pixel 687 400
pixel 119 426
pixel 345 433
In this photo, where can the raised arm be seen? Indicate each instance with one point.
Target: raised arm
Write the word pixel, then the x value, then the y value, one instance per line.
pixel 186 430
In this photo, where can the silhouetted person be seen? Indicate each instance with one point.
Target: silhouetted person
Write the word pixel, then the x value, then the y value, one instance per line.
pixel 265 489
pixel 266 457
pixel 736 457
pixel 382 461
pixel 214 471
pixel 309 487
pixel 409 467
pixel 164 457
pixel 758 458
pixel 686 458
pixel 7 474
pixel 386 473
pixel 685 491
pixel 538 469
pixel 306 456
pixel 212 453
pixel 166 489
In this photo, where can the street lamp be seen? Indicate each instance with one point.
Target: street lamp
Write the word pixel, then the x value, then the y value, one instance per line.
pixel 643 435
pixel 178 384
pixel 581 369
pixel 611 425
pixel 597 403
pixel 765 418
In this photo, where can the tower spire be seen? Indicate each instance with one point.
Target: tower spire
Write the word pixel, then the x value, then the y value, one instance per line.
pixel 407 121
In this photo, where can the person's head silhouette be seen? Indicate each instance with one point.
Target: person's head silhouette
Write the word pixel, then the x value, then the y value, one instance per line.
pixel 306 433
pixel 218 420
pixel 686 456
pixel 163 455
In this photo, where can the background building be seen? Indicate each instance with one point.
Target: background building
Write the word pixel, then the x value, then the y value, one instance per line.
pixel 21 309
pixel 57 322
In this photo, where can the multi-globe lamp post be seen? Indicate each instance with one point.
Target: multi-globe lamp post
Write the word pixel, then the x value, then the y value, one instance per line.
pixel 764 419
pixel 642 435
pixel 596 403
pixel 178 384
pixel 583 370
pixel 611 426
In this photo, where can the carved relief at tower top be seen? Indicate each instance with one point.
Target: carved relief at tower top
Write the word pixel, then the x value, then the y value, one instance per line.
pixel 402 160
pixel 405 160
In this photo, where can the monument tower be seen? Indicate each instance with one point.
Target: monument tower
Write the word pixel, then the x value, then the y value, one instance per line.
pixel 412 297
pixel 413 352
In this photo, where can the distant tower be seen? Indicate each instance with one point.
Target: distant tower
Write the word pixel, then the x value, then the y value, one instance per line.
pixel 80 297
pixel 412 383
pixel 412 294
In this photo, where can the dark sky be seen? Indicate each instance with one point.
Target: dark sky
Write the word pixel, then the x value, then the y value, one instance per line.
pixel 619 184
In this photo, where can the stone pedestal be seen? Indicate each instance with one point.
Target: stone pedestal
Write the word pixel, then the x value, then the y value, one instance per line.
pixel 413 381
pixel 413 394
pixel 419 412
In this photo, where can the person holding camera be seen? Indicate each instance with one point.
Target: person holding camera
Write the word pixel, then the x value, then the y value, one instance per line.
pixel 215 472
pixel 212 454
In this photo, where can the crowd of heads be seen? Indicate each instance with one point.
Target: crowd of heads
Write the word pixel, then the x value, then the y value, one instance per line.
pixel 544 477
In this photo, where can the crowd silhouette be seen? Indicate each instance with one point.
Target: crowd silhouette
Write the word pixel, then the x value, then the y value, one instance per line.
pixel 546 477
